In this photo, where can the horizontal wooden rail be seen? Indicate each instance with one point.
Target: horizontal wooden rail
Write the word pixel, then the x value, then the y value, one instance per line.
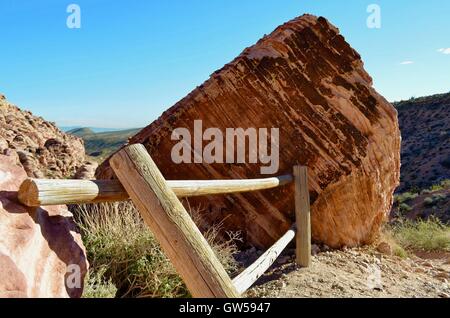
pixel 42 192
pixel 249 276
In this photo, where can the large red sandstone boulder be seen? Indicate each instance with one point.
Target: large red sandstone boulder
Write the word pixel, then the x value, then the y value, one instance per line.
pixel 305 79
pixel 41 253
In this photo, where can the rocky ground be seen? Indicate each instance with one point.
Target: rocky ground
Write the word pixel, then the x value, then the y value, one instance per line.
pixel 357 273
pixel 39 146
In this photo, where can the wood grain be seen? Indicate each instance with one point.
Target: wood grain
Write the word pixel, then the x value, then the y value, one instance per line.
pixel 41 192
pixel 248 277
pixel 179 237
pixel 303 216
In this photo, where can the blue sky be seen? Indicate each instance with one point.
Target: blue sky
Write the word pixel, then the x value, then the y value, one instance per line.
pixel 133 59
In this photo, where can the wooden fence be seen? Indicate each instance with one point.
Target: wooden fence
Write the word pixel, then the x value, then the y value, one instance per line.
pixel 158 202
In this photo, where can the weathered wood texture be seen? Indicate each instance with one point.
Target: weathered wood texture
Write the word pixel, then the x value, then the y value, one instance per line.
pixel 302 216
pixel 39 192
pixel 43 192
pixel 249 276
pixel 179 237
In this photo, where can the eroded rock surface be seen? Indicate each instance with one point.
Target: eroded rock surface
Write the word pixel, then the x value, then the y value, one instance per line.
pixel 86 171
pixel 42 149
pixel 41 253
pixel 306 80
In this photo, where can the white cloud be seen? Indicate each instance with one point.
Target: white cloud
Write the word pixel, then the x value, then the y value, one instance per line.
pixel 444 51
pixel 406 63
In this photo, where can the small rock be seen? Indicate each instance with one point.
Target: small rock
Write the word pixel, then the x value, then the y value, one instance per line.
pixel 428 264
pixel 86 171
pixel 315 249
pixel 443 275
pixel 338 287
pixel 444 295
pixel 282 284
pixel 283 259
pixel 384 248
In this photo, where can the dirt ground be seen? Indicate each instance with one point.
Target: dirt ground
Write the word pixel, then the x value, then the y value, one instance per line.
pixel 357 273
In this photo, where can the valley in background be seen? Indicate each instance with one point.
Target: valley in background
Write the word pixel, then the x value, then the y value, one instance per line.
pixel 100 144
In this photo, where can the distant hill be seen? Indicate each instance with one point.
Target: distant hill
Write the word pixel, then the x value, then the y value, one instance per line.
pixel 81 132
pixel 94 129
pixel 425 174
pixel 425 128
pixel 101 145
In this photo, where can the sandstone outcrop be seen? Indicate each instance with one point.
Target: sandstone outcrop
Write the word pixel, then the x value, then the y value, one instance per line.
pixel 86 171
pixel 306 80
pixel 41 253
pixel 42 149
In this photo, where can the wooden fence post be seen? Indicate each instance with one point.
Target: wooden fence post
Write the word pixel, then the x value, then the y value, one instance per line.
pixel 169 221
pixel 302 216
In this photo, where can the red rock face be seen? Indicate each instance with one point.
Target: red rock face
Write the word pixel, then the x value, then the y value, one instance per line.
pixel 41 148
pixel 41 253
pixel 307 81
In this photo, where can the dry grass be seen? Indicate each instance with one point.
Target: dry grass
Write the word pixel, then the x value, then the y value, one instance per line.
pixel 126 260
pixel 387 236
pixel 406 236
pixel 423 235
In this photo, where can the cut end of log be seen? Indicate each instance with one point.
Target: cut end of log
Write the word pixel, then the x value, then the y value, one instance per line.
pixel 28 193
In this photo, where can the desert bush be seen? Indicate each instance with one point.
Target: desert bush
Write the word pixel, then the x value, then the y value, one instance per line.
pixel 445 184
pixel 406 197
pixel 404 208
pixel 124 254
pixel 434 200
pixel 387 237
pixel 429 202
pixel 96 286
pixel 439 197
pixel 426 235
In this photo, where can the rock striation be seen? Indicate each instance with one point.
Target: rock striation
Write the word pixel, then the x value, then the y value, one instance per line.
pixel 41 252
pixel 41 148
pixel 306 80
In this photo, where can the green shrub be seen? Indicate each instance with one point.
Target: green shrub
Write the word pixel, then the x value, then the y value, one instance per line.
pixel 429 202
pixel 429 235
pixel 404 208
pixel 441 186
pixel 124 255
pixel 97 287
pixel 439 197
pixel 400 252
pixel 405 197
